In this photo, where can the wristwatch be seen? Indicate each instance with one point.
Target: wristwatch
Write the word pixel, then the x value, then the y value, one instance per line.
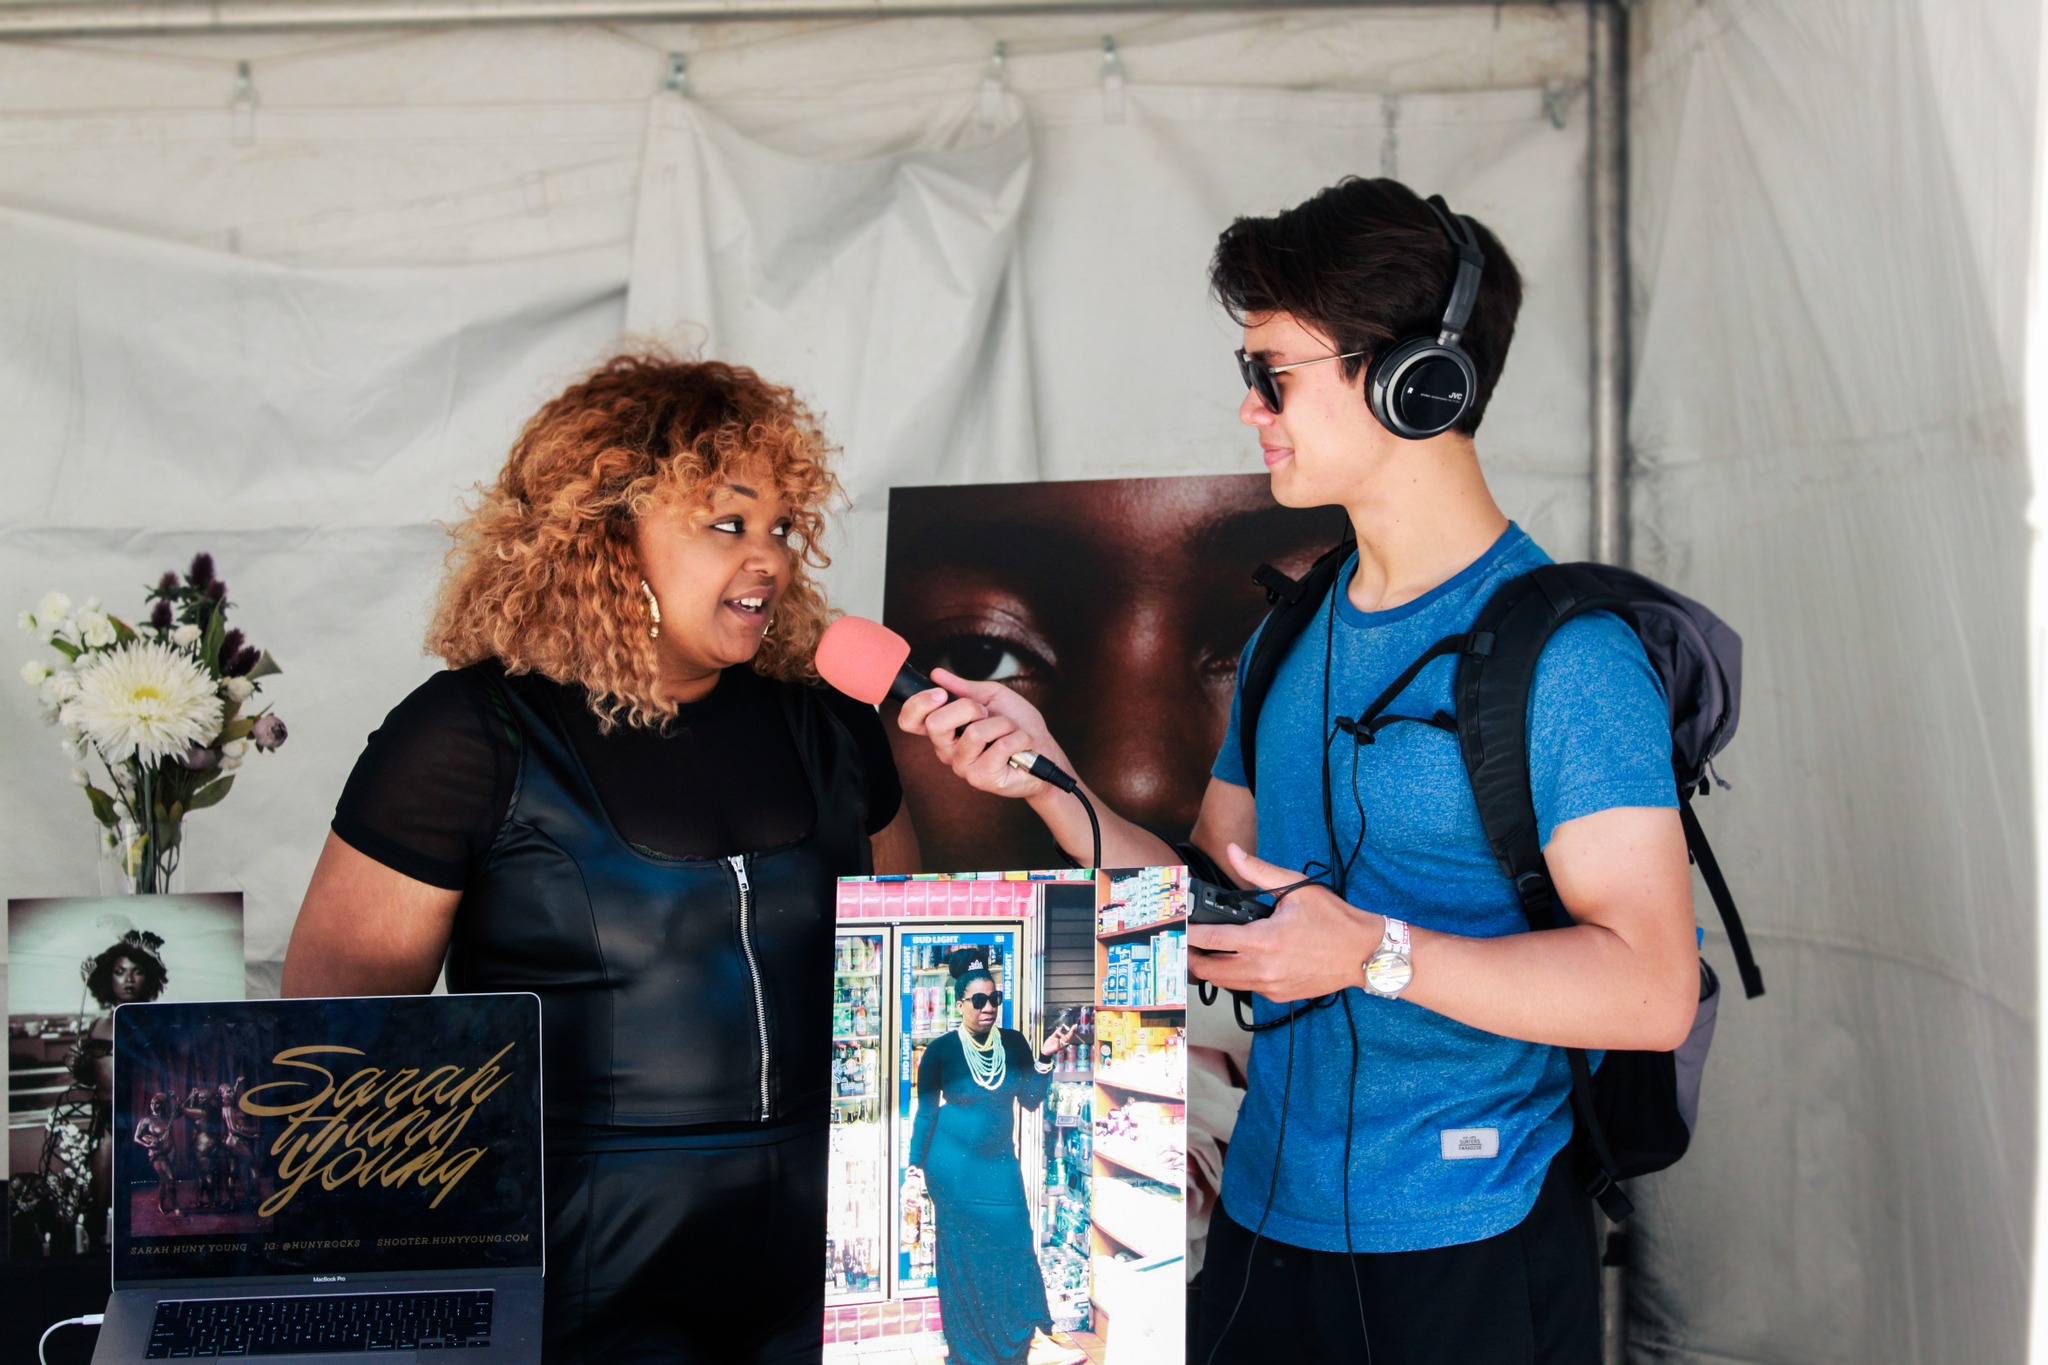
pixel 1389 970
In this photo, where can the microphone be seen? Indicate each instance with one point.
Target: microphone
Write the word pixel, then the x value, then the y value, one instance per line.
pixel 870 662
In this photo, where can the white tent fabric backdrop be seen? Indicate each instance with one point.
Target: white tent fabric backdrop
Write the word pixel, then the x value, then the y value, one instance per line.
pixel 1831 223
pixel 887 290
pixel 296 336
pixel 295 330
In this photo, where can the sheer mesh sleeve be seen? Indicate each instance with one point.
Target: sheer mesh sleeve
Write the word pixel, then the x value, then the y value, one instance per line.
pixel 885 788
pixel 432 785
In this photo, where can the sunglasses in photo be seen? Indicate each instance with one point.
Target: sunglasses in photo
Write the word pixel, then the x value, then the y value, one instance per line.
pixel 982 1000
pixel 1258 375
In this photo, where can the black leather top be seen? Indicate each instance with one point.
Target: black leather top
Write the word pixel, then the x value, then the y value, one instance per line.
pixel 673 992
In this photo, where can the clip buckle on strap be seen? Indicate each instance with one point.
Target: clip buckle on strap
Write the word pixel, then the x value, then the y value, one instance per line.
pixel 1602 1187
pixel 1608 1195
pixel 1539 901
pixel 1280 589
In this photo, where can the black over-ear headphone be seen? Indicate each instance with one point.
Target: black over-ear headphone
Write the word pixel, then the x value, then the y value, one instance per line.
pixel 1422 385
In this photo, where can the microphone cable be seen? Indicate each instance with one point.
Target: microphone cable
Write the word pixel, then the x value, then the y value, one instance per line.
pixel 1340 878
pixel 1350 1116
pixel 1272 1189
pixel 1343 876
pixel 1094 825
pixel 1047 771
pixel 1338 870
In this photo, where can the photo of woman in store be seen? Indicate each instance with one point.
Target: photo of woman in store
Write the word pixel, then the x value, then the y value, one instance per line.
pixel 963 1147
pixel 629 795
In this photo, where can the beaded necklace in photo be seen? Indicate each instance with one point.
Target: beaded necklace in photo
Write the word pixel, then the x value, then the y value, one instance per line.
pixel 985 1060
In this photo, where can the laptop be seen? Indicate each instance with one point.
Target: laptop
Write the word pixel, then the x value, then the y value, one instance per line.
pixel 349 1180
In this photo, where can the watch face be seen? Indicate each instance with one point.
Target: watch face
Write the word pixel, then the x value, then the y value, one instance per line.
pixel 1388 973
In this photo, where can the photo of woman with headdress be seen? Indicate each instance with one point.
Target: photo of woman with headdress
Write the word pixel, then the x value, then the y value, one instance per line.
pixel 128 971
pixel 963 1147
pixel 74 960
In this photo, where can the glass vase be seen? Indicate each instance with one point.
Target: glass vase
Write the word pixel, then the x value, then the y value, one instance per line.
pixel 139 858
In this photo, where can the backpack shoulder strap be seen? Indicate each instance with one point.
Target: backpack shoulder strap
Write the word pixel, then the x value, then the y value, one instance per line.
pixel 1496 672
pixel 1295 604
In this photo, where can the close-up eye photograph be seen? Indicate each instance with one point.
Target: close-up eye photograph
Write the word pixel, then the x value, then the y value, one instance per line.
pixel 1025 682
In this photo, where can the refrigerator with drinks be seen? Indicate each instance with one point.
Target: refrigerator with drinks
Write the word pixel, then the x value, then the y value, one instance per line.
pixel 857 1231
pixel 925 1000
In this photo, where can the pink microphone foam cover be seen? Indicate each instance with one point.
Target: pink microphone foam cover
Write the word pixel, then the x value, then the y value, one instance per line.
pixel 861 657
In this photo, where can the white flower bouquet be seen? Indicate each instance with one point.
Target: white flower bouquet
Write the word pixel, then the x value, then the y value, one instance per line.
pixel 165 706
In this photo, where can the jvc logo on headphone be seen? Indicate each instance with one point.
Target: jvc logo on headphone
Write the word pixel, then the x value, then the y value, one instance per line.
pixel 1390 386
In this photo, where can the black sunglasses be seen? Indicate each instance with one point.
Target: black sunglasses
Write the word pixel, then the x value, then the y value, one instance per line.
pixel 982 1000
pixel 1258 375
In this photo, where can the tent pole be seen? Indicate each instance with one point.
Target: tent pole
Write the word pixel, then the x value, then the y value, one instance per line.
pixel 1607 204
pixel 1607 158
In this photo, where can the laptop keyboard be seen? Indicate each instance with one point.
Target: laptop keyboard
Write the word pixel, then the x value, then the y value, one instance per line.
pixel 431 1321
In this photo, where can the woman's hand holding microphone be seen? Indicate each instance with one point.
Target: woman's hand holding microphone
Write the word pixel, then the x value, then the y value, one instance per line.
pixel 975 727
pixel 989 736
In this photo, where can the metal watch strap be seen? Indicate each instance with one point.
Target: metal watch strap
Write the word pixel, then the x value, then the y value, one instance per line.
pixel 1391 967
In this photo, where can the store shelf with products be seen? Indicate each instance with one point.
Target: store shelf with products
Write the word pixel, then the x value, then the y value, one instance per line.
pixel 1142 1050
pixel 1143 1135
pixel 1164 1087
pixel 1145 968
pixel 1137 1160
pixel 1138 930
pixel 1141 898
pixel 1145 1217
pixel 1141 939
pixel 1138 1141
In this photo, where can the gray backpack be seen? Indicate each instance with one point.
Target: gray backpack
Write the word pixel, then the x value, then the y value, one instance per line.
pixel 1636 1115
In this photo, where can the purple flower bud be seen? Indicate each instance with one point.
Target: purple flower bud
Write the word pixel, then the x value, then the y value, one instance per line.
pixel 244 660
pixel 230 646
pixel 269 732
pixel 201 572
pixel 215 590
pixel 198 758
pixel 168 584
pixel 160 616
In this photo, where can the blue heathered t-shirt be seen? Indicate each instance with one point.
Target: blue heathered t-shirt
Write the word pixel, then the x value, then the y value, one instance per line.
pixel 1599 738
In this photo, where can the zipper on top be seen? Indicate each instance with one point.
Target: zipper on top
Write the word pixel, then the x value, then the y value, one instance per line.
pixel 739 872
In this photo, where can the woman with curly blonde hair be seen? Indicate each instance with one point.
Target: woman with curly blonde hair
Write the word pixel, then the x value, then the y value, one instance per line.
pixel 628 794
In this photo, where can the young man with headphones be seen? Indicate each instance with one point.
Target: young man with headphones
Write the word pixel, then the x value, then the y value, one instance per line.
pixel 1398 1188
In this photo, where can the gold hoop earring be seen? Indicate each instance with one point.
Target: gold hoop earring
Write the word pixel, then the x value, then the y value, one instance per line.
pixel 653 612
